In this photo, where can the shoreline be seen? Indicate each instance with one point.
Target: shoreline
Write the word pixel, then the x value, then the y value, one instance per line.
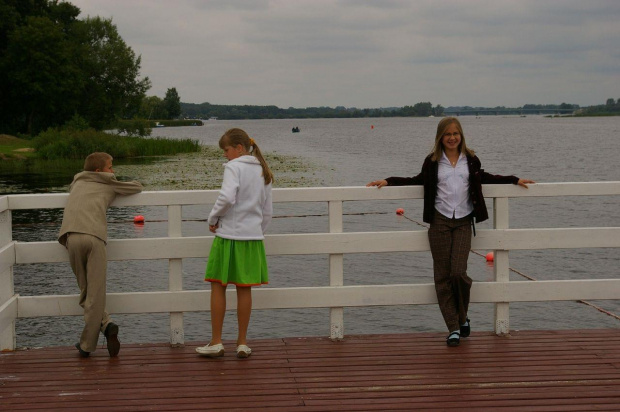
pixel 184 171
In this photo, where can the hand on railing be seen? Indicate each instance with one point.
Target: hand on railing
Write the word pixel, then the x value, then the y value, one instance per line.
pixel 524 182
pixel 378 183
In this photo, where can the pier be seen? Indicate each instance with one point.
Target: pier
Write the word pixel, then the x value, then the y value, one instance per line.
pixel 571 370
pixel 538 370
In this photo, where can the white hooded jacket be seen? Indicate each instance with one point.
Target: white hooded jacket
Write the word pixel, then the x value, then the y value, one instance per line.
pixel 243 208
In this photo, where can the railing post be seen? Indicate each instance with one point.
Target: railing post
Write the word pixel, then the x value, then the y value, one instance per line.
pixel 336 271
pixel 175 275
pixel 501 265
pixel 7 290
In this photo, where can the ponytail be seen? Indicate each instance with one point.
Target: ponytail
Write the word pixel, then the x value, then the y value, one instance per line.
pixel 267 175
pixel 236 136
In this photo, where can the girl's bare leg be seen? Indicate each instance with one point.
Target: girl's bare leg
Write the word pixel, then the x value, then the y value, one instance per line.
pixel 218 310
pixel 244 310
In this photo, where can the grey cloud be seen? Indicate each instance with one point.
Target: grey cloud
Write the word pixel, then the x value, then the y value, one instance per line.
pixel 368 53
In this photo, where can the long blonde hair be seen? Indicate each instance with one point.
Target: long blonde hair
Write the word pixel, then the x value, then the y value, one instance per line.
pixel 236 136
pixel 441 130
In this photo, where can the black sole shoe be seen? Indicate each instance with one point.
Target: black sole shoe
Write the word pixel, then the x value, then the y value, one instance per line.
pixel 465 330
pixel 453 339
pixel 83 353
pixel 111 334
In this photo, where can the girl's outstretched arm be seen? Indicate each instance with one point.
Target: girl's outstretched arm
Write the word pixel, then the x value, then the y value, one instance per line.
pixel 378 183
pixel 525 182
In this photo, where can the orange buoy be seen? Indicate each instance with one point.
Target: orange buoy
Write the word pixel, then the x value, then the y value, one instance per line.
pixel 400 211
pixel 372 126
pixel 138 219
pixel 490 257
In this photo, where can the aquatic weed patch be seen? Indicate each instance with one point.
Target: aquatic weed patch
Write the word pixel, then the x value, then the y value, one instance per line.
pixel 204 171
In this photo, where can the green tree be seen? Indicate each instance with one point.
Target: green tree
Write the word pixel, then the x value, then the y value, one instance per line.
pixel 172 103
pixel 114 89
pixel 42 75
pixel 54 66
pixel 423 109
pixel 152 107
pixel 37 64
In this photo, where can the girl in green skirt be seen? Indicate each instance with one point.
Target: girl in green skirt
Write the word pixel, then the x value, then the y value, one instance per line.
pixel 239 218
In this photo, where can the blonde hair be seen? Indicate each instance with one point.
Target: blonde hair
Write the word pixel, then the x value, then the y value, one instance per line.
pixel 441 130
pixel 236 136
pixel 96 161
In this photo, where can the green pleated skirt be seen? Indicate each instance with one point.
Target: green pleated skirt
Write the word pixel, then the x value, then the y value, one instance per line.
pixel 240 262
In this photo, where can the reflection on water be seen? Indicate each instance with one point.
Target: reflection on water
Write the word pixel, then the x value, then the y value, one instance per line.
pixel 49 176
pixel 348 152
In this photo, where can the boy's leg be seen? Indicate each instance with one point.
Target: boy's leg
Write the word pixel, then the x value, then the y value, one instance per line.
pixel 244 310
pixel 88 258
pixel 218 310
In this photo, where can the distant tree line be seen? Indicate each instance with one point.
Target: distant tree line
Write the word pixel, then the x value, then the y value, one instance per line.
pixel 610 108
pixel 564 108
pixel 207 110
pixel 561 106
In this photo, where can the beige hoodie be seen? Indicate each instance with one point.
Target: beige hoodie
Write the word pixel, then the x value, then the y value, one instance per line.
pixel 91 193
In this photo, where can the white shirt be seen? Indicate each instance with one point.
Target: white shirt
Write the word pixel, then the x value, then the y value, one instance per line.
pixel 453 199
pixel 243 208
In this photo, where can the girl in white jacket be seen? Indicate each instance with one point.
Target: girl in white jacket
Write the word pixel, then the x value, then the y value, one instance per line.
pixel 239 219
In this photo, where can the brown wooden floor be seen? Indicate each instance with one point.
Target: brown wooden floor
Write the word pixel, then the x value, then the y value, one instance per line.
pixel 531 370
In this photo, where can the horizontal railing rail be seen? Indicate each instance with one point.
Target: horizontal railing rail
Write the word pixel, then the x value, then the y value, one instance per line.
pixel 335 243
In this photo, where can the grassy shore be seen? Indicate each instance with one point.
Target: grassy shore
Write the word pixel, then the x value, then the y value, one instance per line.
pixel 12 147
pixel 77 144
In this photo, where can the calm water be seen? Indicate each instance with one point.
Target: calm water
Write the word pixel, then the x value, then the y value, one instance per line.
pixel 351 152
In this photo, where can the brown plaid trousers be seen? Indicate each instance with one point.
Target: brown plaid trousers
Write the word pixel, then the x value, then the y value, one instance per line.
pixel 450 241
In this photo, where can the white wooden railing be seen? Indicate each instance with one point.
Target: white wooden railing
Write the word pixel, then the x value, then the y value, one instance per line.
pixel 336 295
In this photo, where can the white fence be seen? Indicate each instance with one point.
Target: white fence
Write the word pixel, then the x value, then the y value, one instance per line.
pixel 336 295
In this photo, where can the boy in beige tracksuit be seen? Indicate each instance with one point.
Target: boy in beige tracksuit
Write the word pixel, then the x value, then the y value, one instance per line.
pixel 84 234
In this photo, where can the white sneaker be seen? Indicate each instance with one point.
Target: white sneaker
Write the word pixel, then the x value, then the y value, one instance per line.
pixel 212 351
pixel 243 351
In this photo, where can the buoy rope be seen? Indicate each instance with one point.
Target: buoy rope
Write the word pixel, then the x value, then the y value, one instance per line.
pixel 424 225
pixel 115 222
pixel 585 302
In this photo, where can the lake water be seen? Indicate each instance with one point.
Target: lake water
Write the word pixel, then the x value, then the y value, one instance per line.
pixel 351 152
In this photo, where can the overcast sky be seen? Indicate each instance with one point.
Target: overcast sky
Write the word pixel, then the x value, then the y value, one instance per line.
pixel 366 54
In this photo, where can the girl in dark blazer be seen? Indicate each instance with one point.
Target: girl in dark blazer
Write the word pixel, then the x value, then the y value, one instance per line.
pixel 452 178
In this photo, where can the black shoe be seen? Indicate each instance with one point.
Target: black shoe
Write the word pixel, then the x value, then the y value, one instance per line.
pixel 465 329
pixel 83 353
pixel 111 334
pixel 454 339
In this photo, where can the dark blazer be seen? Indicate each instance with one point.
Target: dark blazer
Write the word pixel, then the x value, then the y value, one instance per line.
pixel 428 178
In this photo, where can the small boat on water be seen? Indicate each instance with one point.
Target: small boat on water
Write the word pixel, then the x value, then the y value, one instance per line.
pixel 295 129
pixel 157 124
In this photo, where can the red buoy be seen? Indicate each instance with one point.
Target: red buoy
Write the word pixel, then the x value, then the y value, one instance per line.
pixel 400 211
pixel 490 257
pixel 138 219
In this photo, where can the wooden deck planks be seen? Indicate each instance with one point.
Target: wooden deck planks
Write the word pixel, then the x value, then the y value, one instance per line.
pixel 530 370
